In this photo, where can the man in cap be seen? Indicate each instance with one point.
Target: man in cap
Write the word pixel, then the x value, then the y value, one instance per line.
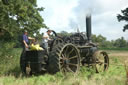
pixel 25 41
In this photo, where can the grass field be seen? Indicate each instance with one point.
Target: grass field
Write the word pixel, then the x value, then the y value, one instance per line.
pixel 10 73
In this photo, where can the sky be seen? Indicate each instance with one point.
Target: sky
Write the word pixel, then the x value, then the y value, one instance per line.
pixel 68 15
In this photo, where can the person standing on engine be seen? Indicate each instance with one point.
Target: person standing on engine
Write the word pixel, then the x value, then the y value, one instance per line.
pixel 25 41
pixel 45 39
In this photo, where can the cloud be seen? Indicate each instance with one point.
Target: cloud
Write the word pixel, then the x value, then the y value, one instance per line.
pixel 57 13
pixel 69 14
pixel 104 20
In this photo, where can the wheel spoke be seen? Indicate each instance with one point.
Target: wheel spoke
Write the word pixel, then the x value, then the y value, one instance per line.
pixel 72 57
pixel 61 66
pixel 64 70
pixel 100 62
pixel 72 64
pixel 66 50
pixel 70 52
pixel 63 56
pixel 69 69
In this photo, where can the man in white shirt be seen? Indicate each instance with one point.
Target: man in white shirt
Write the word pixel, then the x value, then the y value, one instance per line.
pixel 45 39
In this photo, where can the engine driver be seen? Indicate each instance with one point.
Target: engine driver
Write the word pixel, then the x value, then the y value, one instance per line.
pixel 45 39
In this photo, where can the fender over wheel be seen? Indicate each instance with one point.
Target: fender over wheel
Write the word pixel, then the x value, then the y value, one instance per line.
pixel 55 42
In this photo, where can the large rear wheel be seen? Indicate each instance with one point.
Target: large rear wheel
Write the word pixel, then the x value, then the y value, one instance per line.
pixel 64 58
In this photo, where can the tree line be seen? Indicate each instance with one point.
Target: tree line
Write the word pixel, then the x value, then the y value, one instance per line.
pixel 102 41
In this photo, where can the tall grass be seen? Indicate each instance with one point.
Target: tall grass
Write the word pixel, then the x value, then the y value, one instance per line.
pixel 126 69
pixel 84 77
pixel 10 74
pixel 9 64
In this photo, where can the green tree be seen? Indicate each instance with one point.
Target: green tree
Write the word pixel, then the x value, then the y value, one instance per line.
pixel 20 15
pixel 123 17
pixel 120 42
pixel 101 40
pixel 14 18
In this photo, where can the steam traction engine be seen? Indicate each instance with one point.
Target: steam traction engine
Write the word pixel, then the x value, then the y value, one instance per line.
pixel 66 54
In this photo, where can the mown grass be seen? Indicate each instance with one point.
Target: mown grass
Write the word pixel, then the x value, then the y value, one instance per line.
pixel 10 74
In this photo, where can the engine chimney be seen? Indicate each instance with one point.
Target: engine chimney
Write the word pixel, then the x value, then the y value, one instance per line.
pixel 88 27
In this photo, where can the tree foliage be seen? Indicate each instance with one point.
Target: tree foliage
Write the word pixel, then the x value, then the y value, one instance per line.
pixel 104 43
pixel 123 17
pixel 19 15
pixel 120 42
pixel 15 16
pixel 100 40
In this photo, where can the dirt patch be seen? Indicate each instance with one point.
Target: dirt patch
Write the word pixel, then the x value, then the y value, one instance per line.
pixel 119 54
pixel 122 56
pixel 113 53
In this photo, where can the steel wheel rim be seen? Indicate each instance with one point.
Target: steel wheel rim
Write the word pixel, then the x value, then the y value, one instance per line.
pixel 69 59
pixel 102 62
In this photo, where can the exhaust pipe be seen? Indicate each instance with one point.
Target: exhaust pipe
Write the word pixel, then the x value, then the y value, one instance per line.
pixel 88 27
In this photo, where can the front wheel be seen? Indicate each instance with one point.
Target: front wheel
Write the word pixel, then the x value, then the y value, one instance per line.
pixel 101 61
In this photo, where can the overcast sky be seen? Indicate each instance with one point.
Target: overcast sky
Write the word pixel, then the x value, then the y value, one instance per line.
pixel 67 15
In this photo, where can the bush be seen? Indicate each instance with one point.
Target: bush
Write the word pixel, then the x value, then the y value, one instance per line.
pixel 6 48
